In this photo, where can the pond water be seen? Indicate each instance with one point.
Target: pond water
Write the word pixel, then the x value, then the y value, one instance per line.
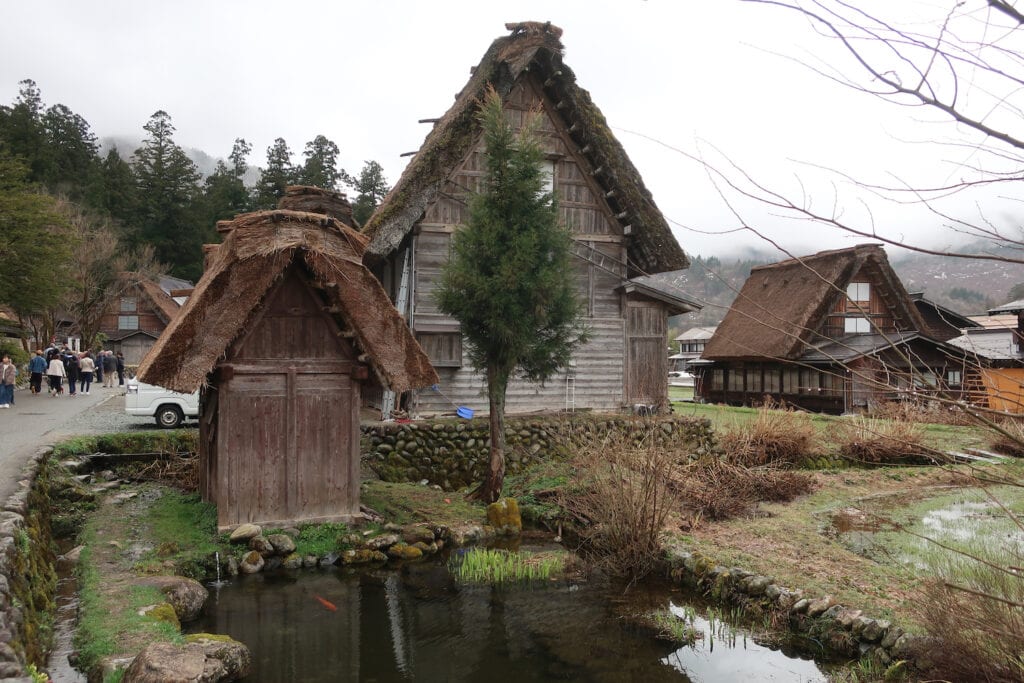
pixel 418 623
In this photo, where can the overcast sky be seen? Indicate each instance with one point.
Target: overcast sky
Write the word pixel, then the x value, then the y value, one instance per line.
pixel 706 78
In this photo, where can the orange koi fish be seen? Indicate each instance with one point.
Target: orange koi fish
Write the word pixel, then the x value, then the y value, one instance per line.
pixel 326 603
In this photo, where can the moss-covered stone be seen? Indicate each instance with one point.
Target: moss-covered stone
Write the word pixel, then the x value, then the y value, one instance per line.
pixel 402 551
pixel 504 516
pixel 163 611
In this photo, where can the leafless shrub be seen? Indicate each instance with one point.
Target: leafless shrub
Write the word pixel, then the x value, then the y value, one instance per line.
pixel 1012 444
pixel 623 502
pixel 933 412
pixel 881 442
pixel 978 629
pixel 781 438
pixel 716 489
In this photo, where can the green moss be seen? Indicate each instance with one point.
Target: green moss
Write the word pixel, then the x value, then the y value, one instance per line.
pixel 164 612
pixel 320 539
pixel 217 637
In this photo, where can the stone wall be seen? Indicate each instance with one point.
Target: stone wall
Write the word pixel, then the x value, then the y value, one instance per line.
pixel 454 453
pixel 27 575
pixel 836 627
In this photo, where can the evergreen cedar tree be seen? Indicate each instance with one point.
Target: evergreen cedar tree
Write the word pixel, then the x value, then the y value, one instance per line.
pixel 509 280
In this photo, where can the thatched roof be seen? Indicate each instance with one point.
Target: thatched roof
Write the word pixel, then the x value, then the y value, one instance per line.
pixel 257 250
pixel 317 200
pixel 533 47
pixel 778 312
pixel 162 303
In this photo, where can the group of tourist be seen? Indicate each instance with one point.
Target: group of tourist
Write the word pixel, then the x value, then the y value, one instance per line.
pixel 79 369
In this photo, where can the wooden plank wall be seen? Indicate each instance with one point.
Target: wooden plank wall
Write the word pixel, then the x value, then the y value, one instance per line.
pixel 600 365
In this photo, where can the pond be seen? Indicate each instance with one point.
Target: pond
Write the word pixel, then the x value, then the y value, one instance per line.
pixel 418 622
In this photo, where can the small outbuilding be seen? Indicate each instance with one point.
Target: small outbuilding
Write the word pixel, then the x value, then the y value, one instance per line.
pixel 280 334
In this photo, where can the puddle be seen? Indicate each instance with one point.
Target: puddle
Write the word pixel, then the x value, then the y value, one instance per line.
pixel 419 623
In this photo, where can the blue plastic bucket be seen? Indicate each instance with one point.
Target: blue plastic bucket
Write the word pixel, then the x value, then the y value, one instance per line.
pixel 464 412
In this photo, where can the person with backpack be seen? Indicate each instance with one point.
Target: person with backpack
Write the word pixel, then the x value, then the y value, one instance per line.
pixel 109 369
pixel 71 366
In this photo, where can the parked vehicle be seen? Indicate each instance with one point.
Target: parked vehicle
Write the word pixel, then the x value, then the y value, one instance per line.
pixel 170 408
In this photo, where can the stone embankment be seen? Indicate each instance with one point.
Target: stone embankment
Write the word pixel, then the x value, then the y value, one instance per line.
pixel 454 453
pixel 838 628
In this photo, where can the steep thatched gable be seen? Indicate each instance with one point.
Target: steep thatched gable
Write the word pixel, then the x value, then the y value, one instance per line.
pixel 533 47
pixel 779 310
pixel 258 249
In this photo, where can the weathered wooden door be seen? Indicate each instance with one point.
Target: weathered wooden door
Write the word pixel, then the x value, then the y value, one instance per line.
pixel 288 417
pixel 646 355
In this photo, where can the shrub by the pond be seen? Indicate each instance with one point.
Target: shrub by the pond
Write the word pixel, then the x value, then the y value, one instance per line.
pixel 1011 443
pixel 881 442
pixel 975 611
pixel 782 438
pixel 483 565
pixel 717 489
pixel 623 499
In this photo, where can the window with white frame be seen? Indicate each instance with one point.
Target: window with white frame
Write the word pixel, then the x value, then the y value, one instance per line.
pixel 859 292
pixel 856 325
pixel 127 322
pixel 129 304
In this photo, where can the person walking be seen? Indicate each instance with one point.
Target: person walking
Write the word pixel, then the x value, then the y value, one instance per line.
pixel 109 369
pixel 120 369
pixel 86 366
pixel 99 368
pixel 71 365
pixel 36 368
pixel 7 375
pixel 56 374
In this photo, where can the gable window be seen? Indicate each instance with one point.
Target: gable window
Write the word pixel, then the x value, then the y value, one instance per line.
pixel 129 304
pixel 954 378
pixel 856 325
pixel 547 169
pixel 127 322
pixel 859 292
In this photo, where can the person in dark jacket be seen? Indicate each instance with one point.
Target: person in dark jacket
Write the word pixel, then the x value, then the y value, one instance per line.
pixel 120 369
pixel 109 369
pixel 71 365
pixel 37 368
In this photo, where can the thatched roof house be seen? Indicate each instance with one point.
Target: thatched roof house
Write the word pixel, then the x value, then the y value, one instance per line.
pixel 619 236
pixel 257 251
pixel 828 332
pixel 534 48
pixel 137 316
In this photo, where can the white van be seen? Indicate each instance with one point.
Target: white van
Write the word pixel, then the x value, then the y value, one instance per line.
pixel 168 407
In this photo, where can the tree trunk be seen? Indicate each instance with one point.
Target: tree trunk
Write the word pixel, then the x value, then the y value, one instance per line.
pixel 490 491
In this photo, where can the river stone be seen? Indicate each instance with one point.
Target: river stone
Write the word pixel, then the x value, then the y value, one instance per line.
pixel 504 516
pixel 282 544
pixel 186 596
pixel 329 559
pixel 401 551
pixel 382 542
pixel 426 548
pixel 846 618
pixel 261 545
pixel 800 606
pixel 293 561
pixel 203 659
pixel 244 532
pixel 162 612
pixel 832 612
pixel 309 561
pixel 73 554
pixel 891 636
pixel 817 607
pixel 756 585
pixel 363 556
pixel 772 592
pixel 859 624
pixel 874 630
pixel 414 534
pixel 252 562
pixel 273 562
pixel 232 566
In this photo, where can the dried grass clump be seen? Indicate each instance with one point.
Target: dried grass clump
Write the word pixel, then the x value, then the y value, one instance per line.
pixel 716 489
pixel 622 500
pixel 932 412
pixel 882 442
pixel 1012 444
pixel 979 635
pixel 781 438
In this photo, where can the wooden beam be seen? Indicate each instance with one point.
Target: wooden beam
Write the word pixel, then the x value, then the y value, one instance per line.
pixel 409 154
pixel 428 120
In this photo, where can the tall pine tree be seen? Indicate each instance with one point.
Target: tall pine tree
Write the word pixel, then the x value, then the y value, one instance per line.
pixel 371 187
pixel 321 166
pixel 509 282
pixel 278 174
pixel 166 179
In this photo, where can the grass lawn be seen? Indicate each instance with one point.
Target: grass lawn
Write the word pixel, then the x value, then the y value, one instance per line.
pixel 680 393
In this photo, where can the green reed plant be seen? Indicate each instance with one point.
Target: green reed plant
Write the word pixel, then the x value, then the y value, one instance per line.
pixel 483 565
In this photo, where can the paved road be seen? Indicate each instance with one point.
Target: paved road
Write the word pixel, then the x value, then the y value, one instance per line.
pixel 35 421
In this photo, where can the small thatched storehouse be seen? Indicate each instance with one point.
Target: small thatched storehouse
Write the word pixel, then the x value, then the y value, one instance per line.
pixel 619 235
pixel 834 332
pixel 280 332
